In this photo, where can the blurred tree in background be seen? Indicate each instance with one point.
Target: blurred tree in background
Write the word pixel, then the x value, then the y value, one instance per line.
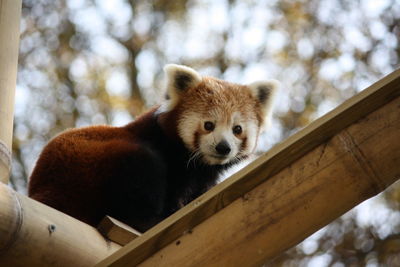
pixel 85 62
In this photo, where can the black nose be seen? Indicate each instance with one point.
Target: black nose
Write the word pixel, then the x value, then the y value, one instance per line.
pixel 223 148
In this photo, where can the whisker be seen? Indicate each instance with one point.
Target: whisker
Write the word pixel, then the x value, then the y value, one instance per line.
pixel 193 157
pixel 198 156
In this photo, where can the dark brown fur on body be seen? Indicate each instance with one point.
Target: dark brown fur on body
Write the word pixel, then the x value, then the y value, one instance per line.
pixel 125 170
pixel 143 172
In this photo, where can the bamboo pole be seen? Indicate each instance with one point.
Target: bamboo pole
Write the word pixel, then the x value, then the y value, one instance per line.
pixel 338 161
pixel 10 13
pixel 33 234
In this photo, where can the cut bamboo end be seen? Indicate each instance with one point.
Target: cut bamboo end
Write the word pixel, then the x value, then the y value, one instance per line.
pixel 117 231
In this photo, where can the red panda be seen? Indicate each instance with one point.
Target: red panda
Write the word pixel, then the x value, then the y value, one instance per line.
pixel 143 172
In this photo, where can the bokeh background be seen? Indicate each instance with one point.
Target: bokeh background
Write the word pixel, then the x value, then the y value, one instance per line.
pixel 85 62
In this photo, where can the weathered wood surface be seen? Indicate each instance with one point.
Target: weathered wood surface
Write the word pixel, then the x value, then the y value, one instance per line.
pixel 117 231
pixel 10 13
pixel 33 234
pixel 301 185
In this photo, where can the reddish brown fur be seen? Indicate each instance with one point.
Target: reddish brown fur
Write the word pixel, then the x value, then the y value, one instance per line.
pixel 223 97
pixel 89 154
pixel 139 173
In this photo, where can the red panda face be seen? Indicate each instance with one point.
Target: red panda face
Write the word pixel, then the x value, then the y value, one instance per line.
pixel 218 121
pixel 218 138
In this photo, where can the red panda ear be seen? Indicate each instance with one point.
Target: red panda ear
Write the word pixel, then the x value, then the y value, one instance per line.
pixel 180 78
pixel 264 92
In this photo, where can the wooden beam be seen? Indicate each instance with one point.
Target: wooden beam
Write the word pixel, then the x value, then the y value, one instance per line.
pixel 117 231
pixel 33 234
pixel 10 13
pixel 287 194
pixel 354 165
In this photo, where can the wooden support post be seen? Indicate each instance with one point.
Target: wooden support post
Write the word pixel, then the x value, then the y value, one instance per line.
pixel 299 186
pixel 10 13
pixel 33 234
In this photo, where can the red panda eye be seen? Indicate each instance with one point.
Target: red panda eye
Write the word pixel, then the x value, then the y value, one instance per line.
pixel 237 129
pixel 209 126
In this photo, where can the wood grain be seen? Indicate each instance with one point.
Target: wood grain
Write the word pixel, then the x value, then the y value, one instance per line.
pixel 355 164
pixel 10 14
pixel 117 231
pixel 33 234
pixel 260 171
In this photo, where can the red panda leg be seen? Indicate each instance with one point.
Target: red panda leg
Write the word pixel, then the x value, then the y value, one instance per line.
pixel 138 191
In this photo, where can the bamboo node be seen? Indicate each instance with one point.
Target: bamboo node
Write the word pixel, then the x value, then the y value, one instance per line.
pixel 17 226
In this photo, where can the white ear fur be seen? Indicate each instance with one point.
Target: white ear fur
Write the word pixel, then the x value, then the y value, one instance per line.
pixel 265 92
pixel 180 78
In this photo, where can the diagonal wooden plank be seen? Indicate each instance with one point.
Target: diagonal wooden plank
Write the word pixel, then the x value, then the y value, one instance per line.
pixel 271 163
pixel 355 164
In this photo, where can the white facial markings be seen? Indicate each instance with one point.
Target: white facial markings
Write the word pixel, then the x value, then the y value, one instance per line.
pixel 199 140
pixel 187 127
pixel 249 132
pixel 179 79
pixel 252 135
pixel 221 133
pixel 265 92
pixel 214 101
